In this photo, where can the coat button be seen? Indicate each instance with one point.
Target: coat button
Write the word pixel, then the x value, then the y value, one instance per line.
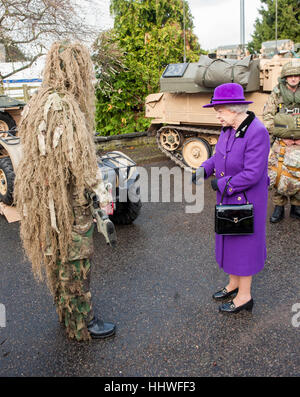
pixel 239 198
pixel 230 189
pixel 222 174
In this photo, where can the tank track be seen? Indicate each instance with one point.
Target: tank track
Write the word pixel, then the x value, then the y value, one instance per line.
pixel 187 132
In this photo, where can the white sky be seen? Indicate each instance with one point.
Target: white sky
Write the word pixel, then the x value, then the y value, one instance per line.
pixel 217 22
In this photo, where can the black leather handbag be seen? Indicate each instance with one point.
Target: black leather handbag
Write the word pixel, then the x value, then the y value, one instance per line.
pixel 234 219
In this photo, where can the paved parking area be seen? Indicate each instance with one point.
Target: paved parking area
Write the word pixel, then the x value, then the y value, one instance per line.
pixel 157 286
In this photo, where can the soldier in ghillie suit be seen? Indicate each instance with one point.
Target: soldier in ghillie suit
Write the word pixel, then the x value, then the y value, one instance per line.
pixel 54 180
pixel 282 118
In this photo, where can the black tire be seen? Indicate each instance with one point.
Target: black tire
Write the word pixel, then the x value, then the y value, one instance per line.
pixel 7 179
pixel 7 122
pixel 126 213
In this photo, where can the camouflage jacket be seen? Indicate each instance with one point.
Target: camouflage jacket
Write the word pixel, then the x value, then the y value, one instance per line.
pixel 83 226
pixel 271 108
pixel 82 233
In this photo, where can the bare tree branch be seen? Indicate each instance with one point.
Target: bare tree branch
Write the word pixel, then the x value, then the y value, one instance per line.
pixel 32 25
pixel 27 65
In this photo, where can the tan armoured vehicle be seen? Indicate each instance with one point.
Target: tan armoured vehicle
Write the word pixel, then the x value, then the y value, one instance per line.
pixel 185 131
pixel 285 48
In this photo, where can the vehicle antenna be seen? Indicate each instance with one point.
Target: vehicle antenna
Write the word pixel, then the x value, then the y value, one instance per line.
pixel 242 25
pixel 276 17
pixel 184 56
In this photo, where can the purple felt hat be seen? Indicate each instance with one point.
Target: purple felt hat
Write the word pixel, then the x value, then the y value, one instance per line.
pixel 229 93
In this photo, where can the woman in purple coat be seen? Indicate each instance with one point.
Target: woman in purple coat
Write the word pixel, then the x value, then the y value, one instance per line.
pixel 241 160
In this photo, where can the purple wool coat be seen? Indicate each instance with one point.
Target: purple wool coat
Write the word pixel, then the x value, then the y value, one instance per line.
pixel 242 155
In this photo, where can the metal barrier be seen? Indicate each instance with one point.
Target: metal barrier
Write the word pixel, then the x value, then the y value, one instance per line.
pixel 22 92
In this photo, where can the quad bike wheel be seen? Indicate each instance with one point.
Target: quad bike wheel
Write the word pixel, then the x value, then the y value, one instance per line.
pixel 7 178
pixel 126 213
pixel 6 122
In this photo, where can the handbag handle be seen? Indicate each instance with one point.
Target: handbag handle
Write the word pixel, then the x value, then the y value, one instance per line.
pixel 225 189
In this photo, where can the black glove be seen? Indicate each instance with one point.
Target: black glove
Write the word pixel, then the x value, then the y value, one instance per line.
pixel 214 184
pixel 195 176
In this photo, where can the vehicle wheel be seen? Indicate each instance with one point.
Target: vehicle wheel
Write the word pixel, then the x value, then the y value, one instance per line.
pixel 195 151
pixel 126 213
pixel 171 139
pixel 7 178
pixel 6 122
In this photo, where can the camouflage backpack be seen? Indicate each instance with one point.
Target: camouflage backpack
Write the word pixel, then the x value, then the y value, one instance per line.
pixel 284 168
pixel 287 119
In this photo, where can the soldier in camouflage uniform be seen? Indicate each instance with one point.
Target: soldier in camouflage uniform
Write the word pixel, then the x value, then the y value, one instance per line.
pixel 54 181
pixel 71 279
pixel 282 119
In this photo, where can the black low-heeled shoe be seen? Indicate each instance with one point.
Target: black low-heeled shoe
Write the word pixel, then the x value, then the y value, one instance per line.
pixel 229 307
pixel 224 294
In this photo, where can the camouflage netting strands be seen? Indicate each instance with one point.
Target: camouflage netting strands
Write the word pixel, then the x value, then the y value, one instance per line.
pixel 59 156
pixel 59 166
pixel 284 168
pixel 69 68
pixel 73 298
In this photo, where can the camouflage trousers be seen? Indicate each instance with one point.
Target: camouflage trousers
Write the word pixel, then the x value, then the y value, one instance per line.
pixel 73 298
pixel 72 295
pixel 279 199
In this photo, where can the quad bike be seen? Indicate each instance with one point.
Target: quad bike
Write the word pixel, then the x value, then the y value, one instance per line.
pixel 119 174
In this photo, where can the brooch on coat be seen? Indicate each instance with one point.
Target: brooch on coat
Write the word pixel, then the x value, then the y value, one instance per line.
pixel 241 132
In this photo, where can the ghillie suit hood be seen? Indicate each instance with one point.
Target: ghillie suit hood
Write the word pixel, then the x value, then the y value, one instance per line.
pixel 69 68
pixel 59 156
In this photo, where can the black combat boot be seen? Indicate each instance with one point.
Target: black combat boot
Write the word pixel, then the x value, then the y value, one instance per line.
pixel 295 211
pixel 278 214
pixel 98 329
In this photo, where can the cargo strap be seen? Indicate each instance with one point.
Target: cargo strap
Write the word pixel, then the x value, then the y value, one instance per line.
pixel 286 173
pixel 279 169
pixel 280 161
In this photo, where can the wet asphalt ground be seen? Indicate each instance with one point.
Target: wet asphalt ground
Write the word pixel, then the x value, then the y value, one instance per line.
pixel 157 286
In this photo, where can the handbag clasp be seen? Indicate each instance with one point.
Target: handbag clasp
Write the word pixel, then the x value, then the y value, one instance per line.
pixel 235 220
